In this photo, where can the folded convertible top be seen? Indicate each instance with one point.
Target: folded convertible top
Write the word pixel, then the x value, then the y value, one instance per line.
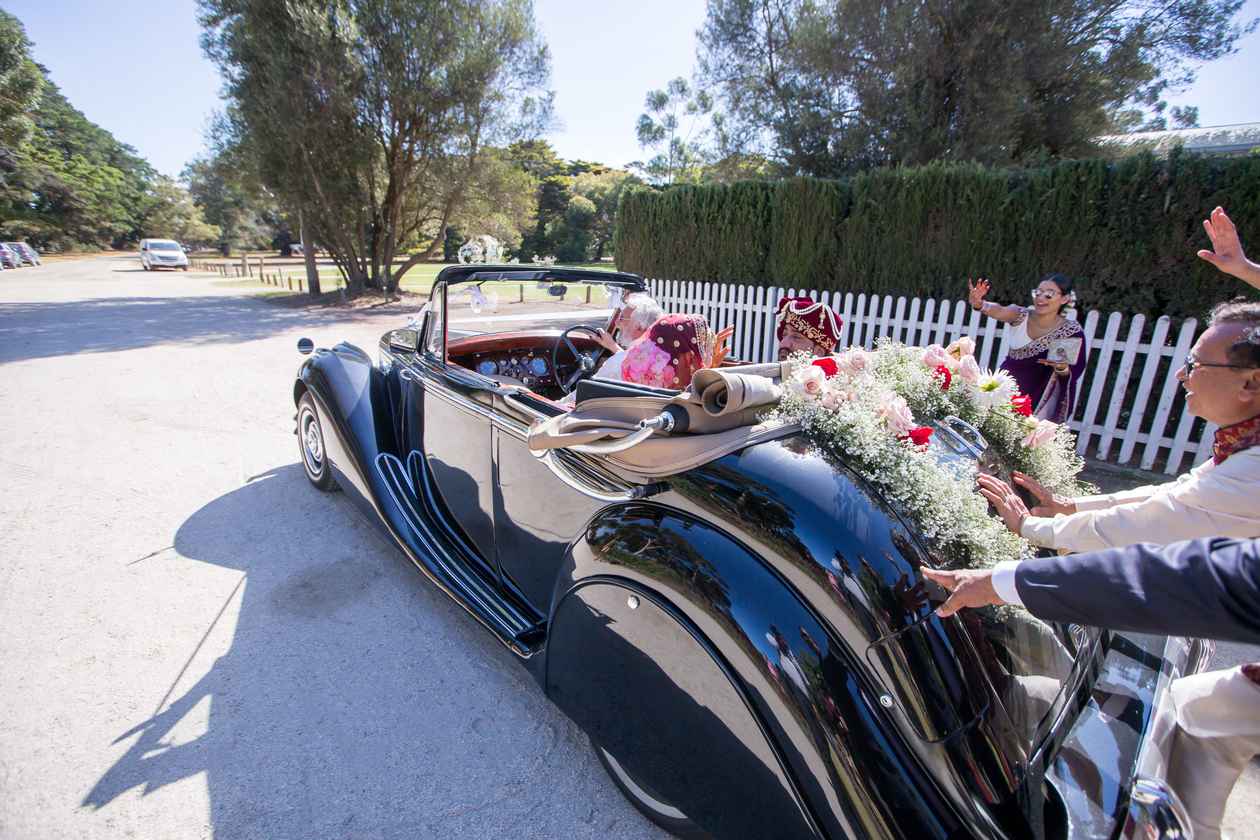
pixel 658 433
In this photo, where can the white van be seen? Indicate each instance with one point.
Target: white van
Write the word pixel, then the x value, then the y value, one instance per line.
pixel 162 253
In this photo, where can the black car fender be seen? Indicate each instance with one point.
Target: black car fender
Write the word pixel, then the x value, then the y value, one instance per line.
pixel 352 401
pixel 668 642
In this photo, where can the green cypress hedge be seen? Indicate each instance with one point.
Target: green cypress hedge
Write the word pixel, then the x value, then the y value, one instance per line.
pixel 1126 230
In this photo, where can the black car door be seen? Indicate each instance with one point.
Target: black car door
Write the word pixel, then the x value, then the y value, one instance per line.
pixel 542 501
pixel 457 412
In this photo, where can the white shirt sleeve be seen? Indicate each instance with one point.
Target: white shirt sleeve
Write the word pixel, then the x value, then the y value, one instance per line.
pixel 1213 501
pixel 1004 582
pixel 611 368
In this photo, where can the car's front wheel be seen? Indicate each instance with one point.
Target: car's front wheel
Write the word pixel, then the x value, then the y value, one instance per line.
pixel 649 803
pixel 311 444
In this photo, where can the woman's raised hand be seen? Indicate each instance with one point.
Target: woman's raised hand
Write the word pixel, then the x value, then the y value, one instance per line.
pixel 1050 503
pixel 976 290
pixel 721 345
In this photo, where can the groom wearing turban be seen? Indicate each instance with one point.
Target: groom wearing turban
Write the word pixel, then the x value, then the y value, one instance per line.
pixel 806 326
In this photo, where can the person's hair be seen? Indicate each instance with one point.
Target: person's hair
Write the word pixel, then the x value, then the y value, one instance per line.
pixel 1065 285
pixel 1246 348
pixel 644 310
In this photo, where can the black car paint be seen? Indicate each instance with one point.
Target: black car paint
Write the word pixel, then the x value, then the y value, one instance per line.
pixel 772 552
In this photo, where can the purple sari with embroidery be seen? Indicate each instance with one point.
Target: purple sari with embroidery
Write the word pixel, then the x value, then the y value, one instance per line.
pixel 1053 396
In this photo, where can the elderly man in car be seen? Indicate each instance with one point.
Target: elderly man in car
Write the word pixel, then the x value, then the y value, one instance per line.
pixel 638 312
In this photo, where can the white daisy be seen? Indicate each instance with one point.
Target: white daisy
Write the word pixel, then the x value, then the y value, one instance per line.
pixel 995 388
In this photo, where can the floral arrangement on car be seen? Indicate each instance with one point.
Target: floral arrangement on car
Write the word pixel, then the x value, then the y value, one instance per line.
pixel 876 410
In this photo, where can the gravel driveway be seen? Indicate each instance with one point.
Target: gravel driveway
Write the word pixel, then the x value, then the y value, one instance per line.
pixel 194 643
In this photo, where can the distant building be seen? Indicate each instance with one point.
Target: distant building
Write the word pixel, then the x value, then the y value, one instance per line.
pixel 1231 140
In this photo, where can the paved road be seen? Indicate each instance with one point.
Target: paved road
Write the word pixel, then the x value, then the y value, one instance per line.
pixel 193 643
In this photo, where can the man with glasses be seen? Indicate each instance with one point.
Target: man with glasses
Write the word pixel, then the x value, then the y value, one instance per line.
pixel 1218 498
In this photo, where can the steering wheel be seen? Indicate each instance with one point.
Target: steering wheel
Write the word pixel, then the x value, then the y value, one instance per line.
pixel 587 363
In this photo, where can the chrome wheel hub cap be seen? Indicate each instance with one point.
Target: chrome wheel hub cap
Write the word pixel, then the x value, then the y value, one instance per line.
pixel 314 444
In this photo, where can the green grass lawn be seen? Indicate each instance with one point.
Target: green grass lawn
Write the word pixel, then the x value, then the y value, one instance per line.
pixel 418 279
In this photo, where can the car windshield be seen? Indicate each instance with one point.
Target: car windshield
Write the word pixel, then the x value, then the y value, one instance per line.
pixel 508 305
pixel 163 246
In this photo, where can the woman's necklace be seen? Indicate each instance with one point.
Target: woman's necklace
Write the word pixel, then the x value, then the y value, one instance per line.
pixel 1037 327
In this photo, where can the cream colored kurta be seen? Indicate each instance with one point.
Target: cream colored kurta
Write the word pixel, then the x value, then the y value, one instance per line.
pixel 1208 501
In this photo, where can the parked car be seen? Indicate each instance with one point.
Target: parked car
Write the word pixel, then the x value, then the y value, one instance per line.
pixel 8 257
pixel 162 253
pixel 746 638
pixel 24 252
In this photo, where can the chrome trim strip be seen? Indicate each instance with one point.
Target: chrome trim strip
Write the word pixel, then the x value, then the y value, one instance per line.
pixel 457 400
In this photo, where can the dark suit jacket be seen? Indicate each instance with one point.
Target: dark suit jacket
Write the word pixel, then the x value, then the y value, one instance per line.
pixel 1208 589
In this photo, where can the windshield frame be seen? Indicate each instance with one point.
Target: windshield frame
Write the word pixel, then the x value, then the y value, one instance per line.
pixel 164 245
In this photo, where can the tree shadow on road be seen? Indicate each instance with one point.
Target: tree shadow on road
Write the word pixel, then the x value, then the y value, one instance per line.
pixel 354 699
pixel 102 325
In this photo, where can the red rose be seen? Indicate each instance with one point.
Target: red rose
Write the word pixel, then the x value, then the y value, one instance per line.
pixel 919 435
pixel 945 375
pixel 1022 404
pixel 828 366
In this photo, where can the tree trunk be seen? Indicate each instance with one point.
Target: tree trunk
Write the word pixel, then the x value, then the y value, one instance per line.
pixel 308 257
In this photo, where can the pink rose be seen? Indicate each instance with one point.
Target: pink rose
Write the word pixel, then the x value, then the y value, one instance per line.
pixel 896 414
pixel 853 361
pixel 969 370
pixel 1041 434
pixel 831 399
pixel 809 382
pixel 934 356
pixel 962 347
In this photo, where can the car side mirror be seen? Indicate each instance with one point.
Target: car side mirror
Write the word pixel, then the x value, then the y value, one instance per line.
pixel 404 340
pixel 305 346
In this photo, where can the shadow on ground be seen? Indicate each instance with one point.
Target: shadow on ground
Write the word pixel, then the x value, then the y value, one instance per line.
pixel 354 700
pixel 45 329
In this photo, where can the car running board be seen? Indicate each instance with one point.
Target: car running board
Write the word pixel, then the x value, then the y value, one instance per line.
pixel 514 623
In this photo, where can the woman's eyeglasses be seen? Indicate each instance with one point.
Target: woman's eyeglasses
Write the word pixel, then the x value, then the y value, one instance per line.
pixel 1043 293
pixel 1191 363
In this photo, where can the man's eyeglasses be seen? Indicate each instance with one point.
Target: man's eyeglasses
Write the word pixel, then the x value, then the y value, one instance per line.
pixel 1191 363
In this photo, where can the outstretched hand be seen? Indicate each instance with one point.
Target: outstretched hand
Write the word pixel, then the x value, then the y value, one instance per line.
pixel 967 588
pixel 1051 503
pixel 1227 251
pixel 976 291
pixel 721 345
pixel 1005 501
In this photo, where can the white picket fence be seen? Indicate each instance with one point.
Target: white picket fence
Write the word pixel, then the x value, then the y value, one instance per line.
pixel 1133 365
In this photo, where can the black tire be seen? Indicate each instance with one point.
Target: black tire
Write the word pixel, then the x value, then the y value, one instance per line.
pixel 311 446
pixel 145 267
pixel 648 803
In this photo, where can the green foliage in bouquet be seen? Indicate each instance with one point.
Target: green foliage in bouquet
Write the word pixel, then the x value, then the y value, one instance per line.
pixel 1127 230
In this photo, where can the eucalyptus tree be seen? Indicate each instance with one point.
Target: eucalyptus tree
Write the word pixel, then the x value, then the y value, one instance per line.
pixel 827 88
pixel 371 116
pixel 20 82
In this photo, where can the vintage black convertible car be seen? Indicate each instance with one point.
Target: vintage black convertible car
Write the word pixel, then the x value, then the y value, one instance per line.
pixel 747 641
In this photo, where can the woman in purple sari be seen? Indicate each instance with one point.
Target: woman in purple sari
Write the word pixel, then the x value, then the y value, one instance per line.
pixel 1046 351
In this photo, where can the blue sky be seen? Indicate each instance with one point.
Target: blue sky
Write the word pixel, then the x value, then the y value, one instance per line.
pixel 135 67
